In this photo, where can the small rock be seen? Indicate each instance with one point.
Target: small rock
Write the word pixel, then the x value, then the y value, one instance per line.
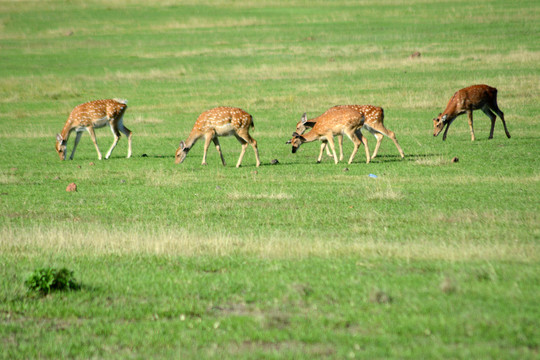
pixel 415 54
pixel 122 181
pixel 447 286
pixel 79 166
pixel 346 169
pixel 274 162
pixel 218 187
pixel 380 297
pixel 56 178
pixel 455 159
pixel 71 187
pixel 144 155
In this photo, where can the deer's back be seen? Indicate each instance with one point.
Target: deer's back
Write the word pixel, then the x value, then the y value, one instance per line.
pixel 221 117
pixel 344 117
pixel 89 113
pixel 372 114
pixel 474 97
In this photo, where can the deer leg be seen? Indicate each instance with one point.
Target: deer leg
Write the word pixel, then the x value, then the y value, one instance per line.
pixel 447 127
pixel 379 138
pixel 253 143
pixel 356 141
pixel 340 143
pixel 498 111
pixel 492 117
pixel 243 151
pixel 218 148
pixel 116 135
pixel 93 136
pixel 77 139
pixel 469 113
pixel 323 146
pixel 246 139
pixel 392 136
pixel 128 134
pixel 330 140
pixel 363 140
pixel 207 138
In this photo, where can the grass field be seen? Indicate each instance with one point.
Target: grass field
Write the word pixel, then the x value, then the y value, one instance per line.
pixel 430 259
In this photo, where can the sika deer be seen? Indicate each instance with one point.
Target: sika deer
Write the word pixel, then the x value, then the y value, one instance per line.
pixel 467 100
pixel 220 121
pixel 332 123
pixel 93 115
pixel 374 123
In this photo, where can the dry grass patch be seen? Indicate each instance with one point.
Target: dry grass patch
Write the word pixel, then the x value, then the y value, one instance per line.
pixel 432 161
pixel 140 119
pixel 237 195
pixel 72 241
pixel 384 192
pixel 207 23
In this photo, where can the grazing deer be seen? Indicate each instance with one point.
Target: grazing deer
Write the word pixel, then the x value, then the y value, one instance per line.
pixel 333 123
pixel 93 115
pixel 220 121
pixel 466 101
pixel 374 123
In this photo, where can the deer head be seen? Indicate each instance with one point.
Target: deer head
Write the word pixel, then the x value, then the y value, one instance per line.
pixel 61 146
pixel 181 153
pixel 438 124
pixel 296 141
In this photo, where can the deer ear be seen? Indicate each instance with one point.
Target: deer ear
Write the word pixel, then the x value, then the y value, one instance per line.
pixel 288 142
pixel 304 118
pixel 59 138
pixel 445 116
pixel 182 144
pixel 295 134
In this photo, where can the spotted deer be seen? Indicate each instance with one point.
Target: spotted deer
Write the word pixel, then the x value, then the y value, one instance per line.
pixel 93 115
pixel 220 121
pixel 333 123
pixel 374 123
pixel 467 100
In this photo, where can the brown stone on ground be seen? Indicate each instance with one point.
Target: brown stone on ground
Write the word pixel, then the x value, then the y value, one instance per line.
pixel 455 159
pixel 71 187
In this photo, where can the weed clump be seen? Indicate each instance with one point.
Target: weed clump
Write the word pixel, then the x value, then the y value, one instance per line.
pixel 45 280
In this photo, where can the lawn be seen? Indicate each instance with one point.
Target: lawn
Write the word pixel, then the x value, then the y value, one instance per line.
pixel 420 257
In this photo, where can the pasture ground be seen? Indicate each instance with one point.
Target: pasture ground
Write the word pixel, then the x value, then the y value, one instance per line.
pixel 430 259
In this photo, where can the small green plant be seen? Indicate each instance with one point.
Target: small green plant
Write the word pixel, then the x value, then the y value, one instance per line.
pixel 45 280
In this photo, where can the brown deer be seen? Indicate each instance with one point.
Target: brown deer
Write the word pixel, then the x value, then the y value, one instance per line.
pixel 94 115
pixel 374 123
pixel 220 121
pixel 333 123
pixel 466 101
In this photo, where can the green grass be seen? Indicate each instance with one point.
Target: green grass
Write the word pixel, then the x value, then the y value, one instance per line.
pixel 286 260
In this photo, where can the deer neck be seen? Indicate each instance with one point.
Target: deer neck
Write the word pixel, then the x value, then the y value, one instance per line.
pixel 312 135
pixel 66 131
pixel 192 139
